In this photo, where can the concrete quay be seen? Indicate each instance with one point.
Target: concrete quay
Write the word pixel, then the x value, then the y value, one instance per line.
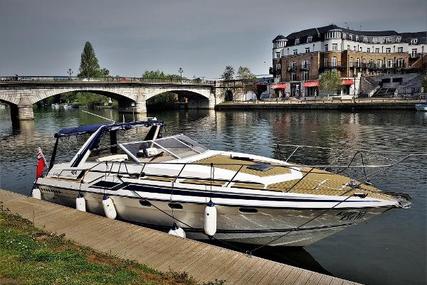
pixel 156 249
pixel 331 104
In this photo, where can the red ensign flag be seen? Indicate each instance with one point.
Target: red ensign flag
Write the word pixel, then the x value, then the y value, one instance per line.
pixel 41 163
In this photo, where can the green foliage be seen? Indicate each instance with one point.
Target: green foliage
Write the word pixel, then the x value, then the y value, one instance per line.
pixel 89 66
pixel 330 82
pixel 228 73
pixel 31 256
pixel 160 75
pixel 244 73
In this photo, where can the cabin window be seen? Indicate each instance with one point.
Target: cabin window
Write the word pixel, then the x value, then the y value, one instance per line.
pixel 246 210
pixel 174 205
pixel 145 203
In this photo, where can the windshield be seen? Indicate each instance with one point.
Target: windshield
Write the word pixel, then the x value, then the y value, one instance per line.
pixel 168 148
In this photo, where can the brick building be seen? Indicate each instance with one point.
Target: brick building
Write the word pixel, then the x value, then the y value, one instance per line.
pixel 301 57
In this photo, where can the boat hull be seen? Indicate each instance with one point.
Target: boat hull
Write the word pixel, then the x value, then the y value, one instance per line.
pixel 236 223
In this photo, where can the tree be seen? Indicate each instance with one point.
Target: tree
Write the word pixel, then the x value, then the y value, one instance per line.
pixel 157 74
pixel 330 82
pixel 89 66
pixel 228 73
pixel 244 73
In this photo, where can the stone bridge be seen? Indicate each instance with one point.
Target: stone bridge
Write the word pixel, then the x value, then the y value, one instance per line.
pixel 22 93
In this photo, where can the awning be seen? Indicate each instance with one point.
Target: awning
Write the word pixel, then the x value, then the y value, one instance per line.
pixel 311 83
pixel 346 81
pixel 280 85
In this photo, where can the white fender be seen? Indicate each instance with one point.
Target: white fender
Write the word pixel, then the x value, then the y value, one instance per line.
pixel 210 220
pixel 177 231
pixel 109 209
pixel 81 203
pixel 36 193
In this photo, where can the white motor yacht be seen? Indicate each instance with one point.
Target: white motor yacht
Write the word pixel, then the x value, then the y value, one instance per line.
pixel 174 182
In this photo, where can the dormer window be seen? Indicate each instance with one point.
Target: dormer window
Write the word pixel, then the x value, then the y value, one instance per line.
pixel 398 39
pixel 309 39
pixel 365 39
pixel 414 41
pixel 297 41
pixel 357 38
pixel 350 36
pixel 344 35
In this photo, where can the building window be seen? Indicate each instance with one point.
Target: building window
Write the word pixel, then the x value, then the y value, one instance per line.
pixel 399 62
pixel 414 52
pixel 334 46
pixel 360 49
pixel 400 49
pixel 379 63
pixel 388 50
pixel 377 50
pixel 295 51
pixel 398 39
pixel 297 41
pixel 326 47
pixel 293 76
pixel 368 50
pixel 305 75
pixel 355 48
pixel 307 50
pixel 348 47
pixel 365 39
pixel 334 62
pixel 389 63
pixel 305 64
pixel 344 35
pixel 414 41
pixel 277 54
pixel 294 65
pixel 325 61
pixel 357 38
pixel 309 39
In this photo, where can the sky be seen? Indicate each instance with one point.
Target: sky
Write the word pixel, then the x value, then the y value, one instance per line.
pixel 46 37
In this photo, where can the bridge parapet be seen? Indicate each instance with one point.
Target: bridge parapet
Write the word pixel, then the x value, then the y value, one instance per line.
pixel 117 79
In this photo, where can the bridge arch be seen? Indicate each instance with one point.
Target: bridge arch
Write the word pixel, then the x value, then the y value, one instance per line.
pixel 112 93
pixel 186 98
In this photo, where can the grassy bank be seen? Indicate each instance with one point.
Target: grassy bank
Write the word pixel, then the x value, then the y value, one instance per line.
pixel 31 256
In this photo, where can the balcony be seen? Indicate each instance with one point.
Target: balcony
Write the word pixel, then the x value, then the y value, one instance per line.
pixel 292 68
pixel 375 66
pixel 331 65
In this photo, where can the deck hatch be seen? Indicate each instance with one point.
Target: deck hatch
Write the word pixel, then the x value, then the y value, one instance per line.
pixel 260 166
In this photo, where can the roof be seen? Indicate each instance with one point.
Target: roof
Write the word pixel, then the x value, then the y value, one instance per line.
pixel 318 33
pixel 90 129
pixel 279 37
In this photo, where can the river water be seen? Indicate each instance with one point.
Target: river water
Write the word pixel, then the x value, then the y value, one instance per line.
pixel 390 249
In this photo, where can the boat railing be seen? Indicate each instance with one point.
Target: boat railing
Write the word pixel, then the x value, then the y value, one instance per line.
pixel 120 170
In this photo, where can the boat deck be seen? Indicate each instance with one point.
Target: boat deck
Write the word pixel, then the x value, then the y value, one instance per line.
pixel 156 249
pixel 314 181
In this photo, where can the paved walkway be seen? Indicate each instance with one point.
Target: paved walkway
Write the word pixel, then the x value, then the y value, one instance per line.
pixel 157 249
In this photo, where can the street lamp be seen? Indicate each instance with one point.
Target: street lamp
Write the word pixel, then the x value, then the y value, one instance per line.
pixel 180 70
pixel 69 72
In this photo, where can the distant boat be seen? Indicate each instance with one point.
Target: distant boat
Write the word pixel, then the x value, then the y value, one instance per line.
pixel 55 106
pixel 421 107
pixel 67 106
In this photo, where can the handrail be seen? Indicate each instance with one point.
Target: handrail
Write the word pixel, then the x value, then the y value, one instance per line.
pixel 229 181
